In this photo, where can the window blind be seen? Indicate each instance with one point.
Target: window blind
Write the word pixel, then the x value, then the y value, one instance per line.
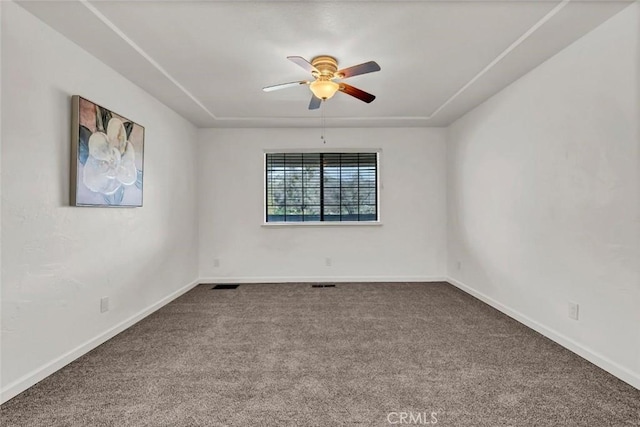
pixel 304 187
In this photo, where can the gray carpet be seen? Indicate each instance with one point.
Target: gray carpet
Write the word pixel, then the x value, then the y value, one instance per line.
pixel 357 354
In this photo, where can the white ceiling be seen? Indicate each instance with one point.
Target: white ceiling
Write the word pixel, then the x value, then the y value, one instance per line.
pixel 208 60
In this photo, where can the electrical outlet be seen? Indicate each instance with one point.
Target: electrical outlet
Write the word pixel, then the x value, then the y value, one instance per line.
pixel 574 310
pixel 327 262
pixel 216 262
pixel 104 304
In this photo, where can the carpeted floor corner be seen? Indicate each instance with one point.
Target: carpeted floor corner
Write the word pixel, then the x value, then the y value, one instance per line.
pixel 361 354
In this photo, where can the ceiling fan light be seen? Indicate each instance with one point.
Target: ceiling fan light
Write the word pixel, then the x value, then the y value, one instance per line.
pixel 324 89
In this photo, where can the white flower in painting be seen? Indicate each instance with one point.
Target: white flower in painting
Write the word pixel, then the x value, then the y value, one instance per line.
pixel 111 161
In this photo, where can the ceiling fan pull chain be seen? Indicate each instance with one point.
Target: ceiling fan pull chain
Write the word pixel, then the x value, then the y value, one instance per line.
pixel 323 122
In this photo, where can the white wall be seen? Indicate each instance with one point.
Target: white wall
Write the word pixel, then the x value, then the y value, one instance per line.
pixel 410 245
pixel 58 261
pixel 543 189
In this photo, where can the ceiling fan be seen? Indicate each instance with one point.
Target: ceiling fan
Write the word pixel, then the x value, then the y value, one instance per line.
pixel 324 69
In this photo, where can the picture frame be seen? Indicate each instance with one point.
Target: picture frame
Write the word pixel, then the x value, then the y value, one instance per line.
pixel 107 157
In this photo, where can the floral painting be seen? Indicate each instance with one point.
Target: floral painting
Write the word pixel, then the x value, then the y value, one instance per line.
pixel 107 157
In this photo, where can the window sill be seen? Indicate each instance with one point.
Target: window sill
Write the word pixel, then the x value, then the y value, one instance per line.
pixel 323 224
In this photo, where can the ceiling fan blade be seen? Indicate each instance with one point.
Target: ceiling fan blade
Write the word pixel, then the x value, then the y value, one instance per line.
pixel 299 60
pixel 356 93
pixel 315 103
pixel 356 70
pixel 284 85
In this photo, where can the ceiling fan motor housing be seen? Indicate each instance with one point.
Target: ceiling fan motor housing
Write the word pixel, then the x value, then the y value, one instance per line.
pixel 326 65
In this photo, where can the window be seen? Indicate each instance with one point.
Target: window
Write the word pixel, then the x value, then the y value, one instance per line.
pixel 303 187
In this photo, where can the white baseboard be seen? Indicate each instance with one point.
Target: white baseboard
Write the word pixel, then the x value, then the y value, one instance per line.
pixel 314 279
pixel 592 356
pixel 44 371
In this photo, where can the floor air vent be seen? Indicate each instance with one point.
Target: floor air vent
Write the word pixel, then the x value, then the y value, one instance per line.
pixel 225 287
pixel 323 285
